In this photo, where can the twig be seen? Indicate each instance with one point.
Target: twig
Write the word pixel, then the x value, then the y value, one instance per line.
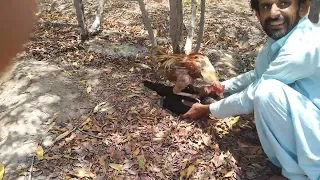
pixel 79 126
pixel 31 169
pixel 89 134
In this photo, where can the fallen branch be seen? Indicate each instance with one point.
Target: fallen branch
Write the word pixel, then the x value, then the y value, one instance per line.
pixel 89 134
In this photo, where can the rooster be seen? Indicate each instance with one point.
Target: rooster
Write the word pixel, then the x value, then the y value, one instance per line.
pixel 183 70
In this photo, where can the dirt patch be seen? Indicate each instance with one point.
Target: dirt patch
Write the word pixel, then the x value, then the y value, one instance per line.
pixel 31 96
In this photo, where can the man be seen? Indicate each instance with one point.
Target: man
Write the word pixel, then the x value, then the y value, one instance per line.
pixel 283 90
pixel 16 21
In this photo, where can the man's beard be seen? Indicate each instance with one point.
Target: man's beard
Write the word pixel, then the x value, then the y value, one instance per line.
pixel 279 33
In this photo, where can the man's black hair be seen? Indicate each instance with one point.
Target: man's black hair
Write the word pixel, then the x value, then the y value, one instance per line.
pixel 255 4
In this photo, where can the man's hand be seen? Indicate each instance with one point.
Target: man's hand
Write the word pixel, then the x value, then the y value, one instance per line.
pixel 17 18
pixel 197 110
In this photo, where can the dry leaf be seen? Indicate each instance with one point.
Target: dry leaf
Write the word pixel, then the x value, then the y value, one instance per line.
pixel 30 76
pixel 106 141
pixel 233 121
pixel 132 172
pixel 90 57
pixel 55 115
pixel 218 160
pixel 133 95
pixel 63 135
pixel 144 66
pixel 127 164
pixel 89 88
pixel 116 166
pixel 1 171
pixel 81 173
pixel 69 157
pixel 229 174
pixel 96 109
pixel 144 177
pixel 216 148
pixel 83 82
pixel 183 174
pixel 141 161
pixel 184 165
pixel 75 64
pixel 51 125
pixel 206 140
pixel 136 152
pixel 154 168
pixel 86 122
pixel 102 162
pixel 131 69
pixel 72 136
pixel 66 177
pixel 39 152
pixel 111 118
pixel 53 157
pixel 190 170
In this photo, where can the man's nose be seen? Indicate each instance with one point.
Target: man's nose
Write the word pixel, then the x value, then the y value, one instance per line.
pixel 275 11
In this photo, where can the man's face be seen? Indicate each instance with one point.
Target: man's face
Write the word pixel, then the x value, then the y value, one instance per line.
pixel 278 17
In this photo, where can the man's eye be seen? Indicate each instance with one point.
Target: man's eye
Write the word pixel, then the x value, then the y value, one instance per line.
pixel 284 5
pixel 265 6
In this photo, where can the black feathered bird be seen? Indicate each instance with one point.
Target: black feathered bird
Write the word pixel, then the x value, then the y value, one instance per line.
pixel 171 101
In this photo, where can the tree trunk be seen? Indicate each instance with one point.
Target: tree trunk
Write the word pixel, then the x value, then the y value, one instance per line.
pixel 81 19
pixel 147 24
pixel 96 24
pixel 176 24
pixel 314 11
pixel 200 33
pixel 188 46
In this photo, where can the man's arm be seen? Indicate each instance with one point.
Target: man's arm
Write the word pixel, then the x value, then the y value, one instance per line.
pixel 239 83
pixel 291 64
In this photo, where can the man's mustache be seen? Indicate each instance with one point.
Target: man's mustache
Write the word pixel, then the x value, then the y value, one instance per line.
pixel 269 20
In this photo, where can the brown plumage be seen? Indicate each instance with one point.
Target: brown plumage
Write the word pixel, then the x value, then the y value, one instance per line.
pixel 182 70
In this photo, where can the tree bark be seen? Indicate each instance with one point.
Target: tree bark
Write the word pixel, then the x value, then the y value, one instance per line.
pixel 201 28
pixel 188 46
pixel 96 24
pixel 176 24
pixel 314 11
pixel 147 24
pixel 81 19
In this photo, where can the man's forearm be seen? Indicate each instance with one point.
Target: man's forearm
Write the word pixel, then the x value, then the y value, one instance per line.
pixel 239 83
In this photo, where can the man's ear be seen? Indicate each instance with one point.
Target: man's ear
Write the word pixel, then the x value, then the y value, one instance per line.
pixel 304 8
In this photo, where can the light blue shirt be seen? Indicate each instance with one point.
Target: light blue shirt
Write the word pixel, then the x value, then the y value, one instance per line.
pixel 294 60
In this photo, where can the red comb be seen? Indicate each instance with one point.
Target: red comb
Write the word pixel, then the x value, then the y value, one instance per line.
pixel 218 88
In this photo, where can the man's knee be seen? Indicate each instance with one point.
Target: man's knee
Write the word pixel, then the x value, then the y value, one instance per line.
pixel 269 90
